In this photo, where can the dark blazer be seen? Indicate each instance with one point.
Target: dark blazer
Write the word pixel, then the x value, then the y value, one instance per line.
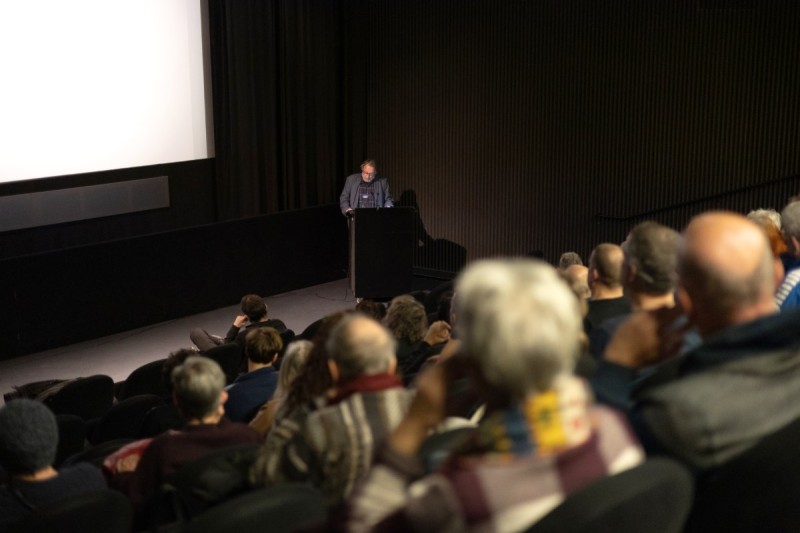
pixel 349 197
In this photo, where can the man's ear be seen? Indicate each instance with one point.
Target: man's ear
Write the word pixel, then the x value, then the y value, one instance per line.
pixel 392 365
pixel 334 370
pixel 223 397
pixel 778 273
pixel 683 299
pixel 630 274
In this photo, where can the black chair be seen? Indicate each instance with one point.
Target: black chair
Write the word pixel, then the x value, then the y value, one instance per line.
pixel 160 419
pixel 654 497
pixel 278 509
pixel 97 454
pixel 439 446
pixel 71 436
pixel 229 357
pixel 311 330
pixel 146 379
pixel 203 483
pixel 286 337
pixel 88 398
pixel 756 491
pixel 104 511
pixel 124 420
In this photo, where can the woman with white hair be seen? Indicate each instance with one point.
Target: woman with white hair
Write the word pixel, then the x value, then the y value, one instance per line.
pixel 541 437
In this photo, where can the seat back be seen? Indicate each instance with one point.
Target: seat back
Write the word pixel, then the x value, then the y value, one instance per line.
pixel 653 497
pixel 229 357
pixel 97 454
pixel 277 509
pixel 124 420
pixel 88 398
pixel 147 379
pixel 71 436
pixel 160 419
pixel 286 337
pixel 105 510
pixel 756 491
pixel 203 483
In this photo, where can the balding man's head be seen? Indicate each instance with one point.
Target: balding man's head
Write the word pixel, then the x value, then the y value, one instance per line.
pixel 605 265
pixel 726 271
pixel 359 346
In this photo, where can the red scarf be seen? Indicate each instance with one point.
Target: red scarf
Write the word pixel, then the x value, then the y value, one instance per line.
pixel 368 383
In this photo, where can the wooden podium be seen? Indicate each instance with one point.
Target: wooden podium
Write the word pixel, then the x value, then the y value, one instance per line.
pixel 381 252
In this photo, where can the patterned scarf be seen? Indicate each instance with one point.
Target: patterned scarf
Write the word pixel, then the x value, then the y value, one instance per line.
pixel 543 423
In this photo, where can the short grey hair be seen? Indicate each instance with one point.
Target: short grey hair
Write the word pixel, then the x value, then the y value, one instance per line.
pixel 197 385
pixel 760 215
pixel 519 322
pixel 568 259
pixel 652 250
pixel 360 346
pixel 790 220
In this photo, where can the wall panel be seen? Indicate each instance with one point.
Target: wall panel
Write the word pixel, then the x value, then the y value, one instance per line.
pixel 555 125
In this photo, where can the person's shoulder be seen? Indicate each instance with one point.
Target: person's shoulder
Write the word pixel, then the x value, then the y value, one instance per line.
pixel 238 430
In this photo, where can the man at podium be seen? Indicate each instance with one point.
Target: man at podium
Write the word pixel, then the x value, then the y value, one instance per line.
pixel 365 190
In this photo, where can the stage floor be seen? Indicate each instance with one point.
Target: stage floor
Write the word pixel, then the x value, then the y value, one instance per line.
pixel 117 355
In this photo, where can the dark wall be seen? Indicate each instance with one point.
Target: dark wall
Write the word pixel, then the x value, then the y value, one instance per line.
pixel 558 124
pixel 65 296
pixel 192 202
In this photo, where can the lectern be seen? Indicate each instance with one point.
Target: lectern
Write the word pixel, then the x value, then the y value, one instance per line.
pixel 381 251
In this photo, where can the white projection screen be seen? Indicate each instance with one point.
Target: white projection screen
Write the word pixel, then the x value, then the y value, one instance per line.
pixel 91 85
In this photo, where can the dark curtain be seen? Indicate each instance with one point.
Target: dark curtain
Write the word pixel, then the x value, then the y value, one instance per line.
pixel 278 83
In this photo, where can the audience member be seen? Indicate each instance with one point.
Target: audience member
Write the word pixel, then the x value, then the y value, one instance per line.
pixel 372 309
pixel 777 244
pixel 788 294
pixel 406 320
pixel 568 259
pixel 649 276
pixel 255 314
pixel 255 387
pixel 28 442
pixel 605 282
pixel 578 276
pixel 292 364
pixel 760 216
pixel 169 418
pixel 314 380
pixel 416 342
pixel 541 438
pixel 198 392
pixel 334 445
pixel 743 382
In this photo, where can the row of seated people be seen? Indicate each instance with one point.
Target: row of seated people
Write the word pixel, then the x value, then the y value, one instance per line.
pixel 704 379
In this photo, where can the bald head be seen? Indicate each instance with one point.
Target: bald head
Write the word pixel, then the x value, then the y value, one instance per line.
pixel 359 345
pixel 725 268
pixel 605 265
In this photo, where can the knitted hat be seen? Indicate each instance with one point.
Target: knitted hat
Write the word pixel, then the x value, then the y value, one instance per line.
pixel 28 436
